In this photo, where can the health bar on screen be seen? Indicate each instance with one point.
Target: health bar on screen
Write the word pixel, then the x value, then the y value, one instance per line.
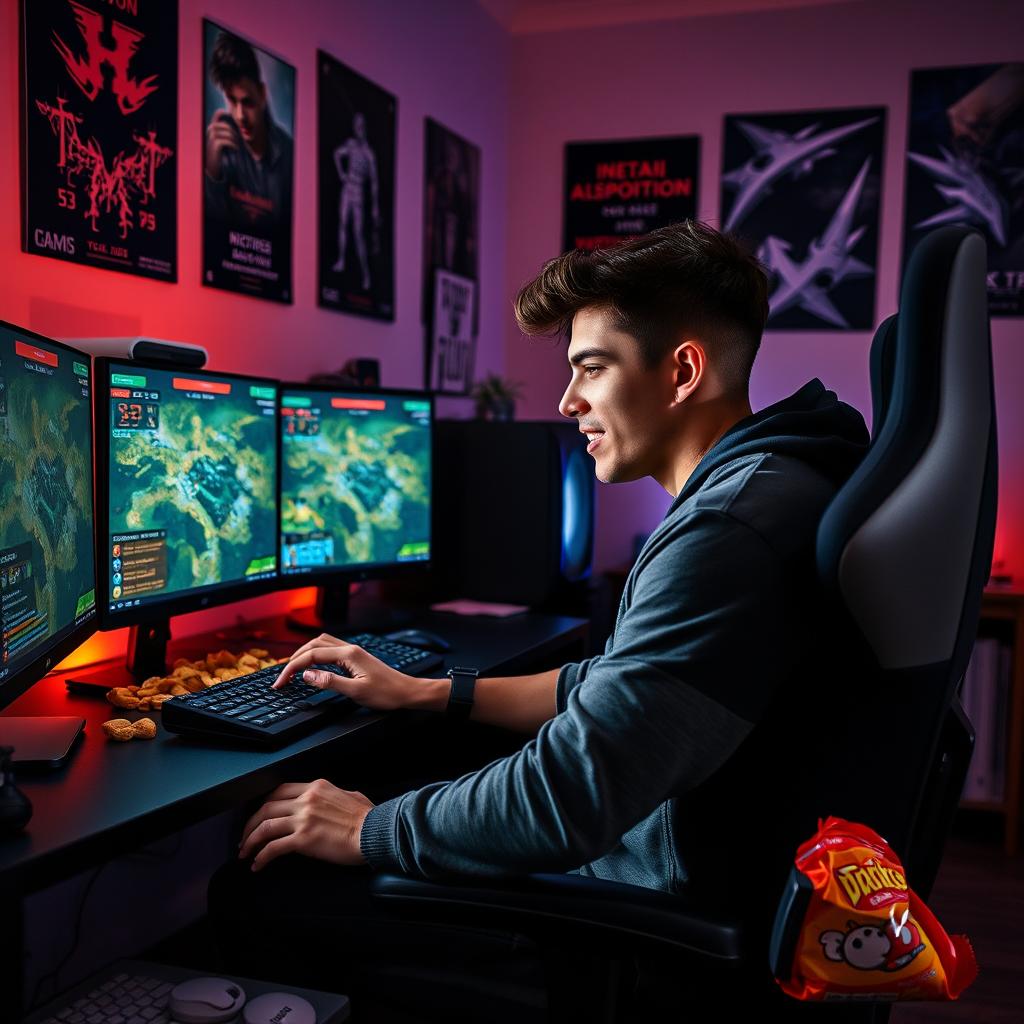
pixel 33 352
pixel 358 403
pixel 213 387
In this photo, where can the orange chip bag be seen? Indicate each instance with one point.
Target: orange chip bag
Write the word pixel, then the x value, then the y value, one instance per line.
pixel 851 928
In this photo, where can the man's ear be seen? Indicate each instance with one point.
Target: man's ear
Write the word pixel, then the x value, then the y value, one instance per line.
pixel 689 364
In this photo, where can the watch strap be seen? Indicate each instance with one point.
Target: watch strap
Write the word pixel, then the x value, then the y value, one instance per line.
pixel 460 697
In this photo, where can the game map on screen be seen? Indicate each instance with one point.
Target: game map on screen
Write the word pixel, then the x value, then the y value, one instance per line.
pixel 47 579
pixel 192 482
pixel 355 484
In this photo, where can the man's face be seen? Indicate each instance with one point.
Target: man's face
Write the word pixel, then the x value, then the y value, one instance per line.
pixel 247 103
pixel 623 407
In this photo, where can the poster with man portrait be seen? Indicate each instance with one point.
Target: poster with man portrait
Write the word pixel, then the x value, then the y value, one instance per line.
pixel 965 165
pixel 451 208
pixel 356 165
pixel 803 189
pixel 452 335
pixel 248 166
pixel 99 128
pixel 616 190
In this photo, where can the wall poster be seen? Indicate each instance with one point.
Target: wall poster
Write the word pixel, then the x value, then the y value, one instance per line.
pixel 99 127
pixel 451 209
pixel 804 189
pixel 248 167
pixel 965 165
pixel 356 146
pixel 616 190
pixel 452 334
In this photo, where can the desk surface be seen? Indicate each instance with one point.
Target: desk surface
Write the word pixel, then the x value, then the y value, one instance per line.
pixel 112 796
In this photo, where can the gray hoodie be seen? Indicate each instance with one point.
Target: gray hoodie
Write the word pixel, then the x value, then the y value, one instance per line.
pixel 653 768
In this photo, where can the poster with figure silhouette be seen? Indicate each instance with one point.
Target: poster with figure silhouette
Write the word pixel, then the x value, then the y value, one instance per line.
pixel 965 165
pixel 356 165
pixel 451 209
pixel 99 134
pixel 248 166
pixel 617 190
pixel 803 189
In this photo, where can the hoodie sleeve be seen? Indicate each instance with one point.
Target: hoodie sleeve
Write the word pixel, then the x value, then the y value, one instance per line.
pixel 699 652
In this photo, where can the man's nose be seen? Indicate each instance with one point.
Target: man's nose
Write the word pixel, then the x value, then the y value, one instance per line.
pixel 572 404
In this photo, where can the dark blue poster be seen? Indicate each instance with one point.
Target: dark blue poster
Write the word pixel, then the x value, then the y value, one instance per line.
pixel 803 189
pixel 965 165
pixel 100 133
pixel 356 143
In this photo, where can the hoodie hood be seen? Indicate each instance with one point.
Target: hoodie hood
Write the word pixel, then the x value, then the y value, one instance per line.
pixel 811 425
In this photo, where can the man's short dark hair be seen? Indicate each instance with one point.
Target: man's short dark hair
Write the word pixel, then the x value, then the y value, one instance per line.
pixel 685 278
pixel 232 60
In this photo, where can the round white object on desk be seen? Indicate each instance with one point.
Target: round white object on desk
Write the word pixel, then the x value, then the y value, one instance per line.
pixel 206 1001
pixel 279 1008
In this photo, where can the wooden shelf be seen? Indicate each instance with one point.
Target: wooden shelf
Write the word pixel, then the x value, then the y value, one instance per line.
pixel 1006 604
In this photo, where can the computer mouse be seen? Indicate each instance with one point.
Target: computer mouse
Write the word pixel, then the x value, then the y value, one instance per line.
pixel 421 638
pixel 206 1001
pixel 279 1008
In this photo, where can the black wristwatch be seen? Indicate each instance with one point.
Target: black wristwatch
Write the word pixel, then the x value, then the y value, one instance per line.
pixel 460 699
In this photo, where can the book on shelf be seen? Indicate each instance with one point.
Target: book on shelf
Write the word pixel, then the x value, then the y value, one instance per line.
pixel 985 696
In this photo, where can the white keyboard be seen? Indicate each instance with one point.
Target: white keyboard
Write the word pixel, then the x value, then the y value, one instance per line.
pixel 122 999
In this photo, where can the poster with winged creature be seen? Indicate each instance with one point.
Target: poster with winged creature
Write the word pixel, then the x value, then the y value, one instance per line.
pixel 803 189
pixel 99 133
pixel 965 165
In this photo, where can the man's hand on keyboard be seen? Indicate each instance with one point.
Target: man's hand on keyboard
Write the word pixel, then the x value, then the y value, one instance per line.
pixel 361 676
pixel 312 818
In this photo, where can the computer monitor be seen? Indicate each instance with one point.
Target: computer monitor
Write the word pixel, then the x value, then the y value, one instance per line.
pixel 47 569
pixel 356 489
pixel 186 494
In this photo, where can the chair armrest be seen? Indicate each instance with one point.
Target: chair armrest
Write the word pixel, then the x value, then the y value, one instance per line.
pixel 589 912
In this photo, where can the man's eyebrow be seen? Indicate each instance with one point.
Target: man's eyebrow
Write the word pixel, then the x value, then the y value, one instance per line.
pixel 591 353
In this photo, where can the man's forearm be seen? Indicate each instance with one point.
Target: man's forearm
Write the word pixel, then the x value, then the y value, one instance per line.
pixel 522 703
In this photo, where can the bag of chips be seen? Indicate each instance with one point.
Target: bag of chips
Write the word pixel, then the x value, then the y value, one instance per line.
pixel 849 926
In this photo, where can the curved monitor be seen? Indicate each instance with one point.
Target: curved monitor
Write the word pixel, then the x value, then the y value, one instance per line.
pixel 356 482
pixel 186 481
pixel 47 572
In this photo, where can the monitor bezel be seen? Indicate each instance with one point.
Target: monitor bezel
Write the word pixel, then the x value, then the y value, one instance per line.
pixel 51 655
pixel 158 610
pixel 334 574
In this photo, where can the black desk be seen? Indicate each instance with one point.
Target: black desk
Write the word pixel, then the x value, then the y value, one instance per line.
pixel 116 796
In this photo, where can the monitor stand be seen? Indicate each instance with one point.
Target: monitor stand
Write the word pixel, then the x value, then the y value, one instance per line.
pixel 147 656
pixel 333 614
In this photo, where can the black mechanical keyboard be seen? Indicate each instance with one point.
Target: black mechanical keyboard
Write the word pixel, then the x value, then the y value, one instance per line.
pixel 247 709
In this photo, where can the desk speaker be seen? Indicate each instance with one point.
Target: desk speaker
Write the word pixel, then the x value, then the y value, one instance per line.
pixel 514 510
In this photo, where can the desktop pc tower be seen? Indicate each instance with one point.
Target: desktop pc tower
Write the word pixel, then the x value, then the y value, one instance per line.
pixel 515 512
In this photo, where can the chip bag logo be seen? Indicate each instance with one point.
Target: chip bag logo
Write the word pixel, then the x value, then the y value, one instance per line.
pixel 872 884
pixel 870 948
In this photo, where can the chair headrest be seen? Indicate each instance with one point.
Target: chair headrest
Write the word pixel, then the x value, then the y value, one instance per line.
pixel 898 542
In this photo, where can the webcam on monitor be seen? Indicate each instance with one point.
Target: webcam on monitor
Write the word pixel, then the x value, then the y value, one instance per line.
pixel 160 350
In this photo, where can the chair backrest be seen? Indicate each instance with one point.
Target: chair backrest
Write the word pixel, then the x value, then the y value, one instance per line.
pixel 905 548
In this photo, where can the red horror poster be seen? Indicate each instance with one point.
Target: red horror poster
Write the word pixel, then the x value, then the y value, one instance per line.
pixel 99 133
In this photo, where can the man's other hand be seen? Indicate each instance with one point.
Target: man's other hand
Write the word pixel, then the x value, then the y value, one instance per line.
pixel 311 818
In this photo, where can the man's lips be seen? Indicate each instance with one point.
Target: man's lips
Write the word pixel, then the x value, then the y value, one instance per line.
pixel 593 437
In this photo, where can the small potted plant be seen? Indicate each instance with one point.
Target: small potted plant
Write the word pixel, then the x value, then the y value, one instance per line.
pixel 496 397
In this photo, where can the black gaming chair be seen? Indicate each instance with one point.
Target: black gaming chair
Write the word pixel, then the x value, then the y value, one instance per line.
pixel 903 554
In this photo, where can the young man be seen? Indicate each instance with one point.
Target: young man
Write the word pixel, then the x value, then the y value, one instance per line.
pixel 656 762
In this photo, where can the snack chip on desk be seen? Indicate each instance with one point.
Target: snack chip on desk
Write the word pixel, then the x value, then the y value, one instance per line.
pixel 850 928
pixel 189 677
